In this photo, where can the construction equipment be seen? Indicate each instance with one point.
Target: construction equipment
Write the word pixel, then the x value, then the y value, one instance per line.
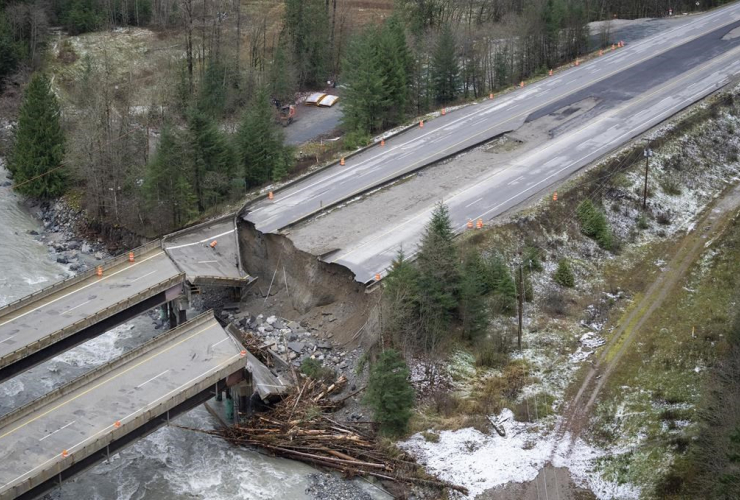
pixel 286 115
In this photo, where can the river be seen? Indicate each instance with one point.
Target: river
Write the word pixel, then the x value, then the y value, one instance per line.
pixel 171 463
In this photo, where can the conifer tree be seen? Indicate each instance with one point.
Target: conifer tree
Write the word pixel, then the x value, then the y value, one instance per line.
pixel 439 279
pixel 39 143
pixel 445 67
pixel 262 154
pixel 282 75
pixel 213 160
pixel 309 30
pixel 401 301
pixel 389 393
pixel 166 186
pixel 564 275
pixel 501 283
pixel 473 311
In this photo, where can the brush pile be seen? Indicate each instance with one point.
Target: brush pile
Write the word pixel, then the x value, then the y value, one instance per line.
pixel 301 427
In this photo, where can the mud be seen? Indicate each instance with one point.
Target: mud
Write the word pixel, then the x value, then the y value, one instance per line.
pixel 551 482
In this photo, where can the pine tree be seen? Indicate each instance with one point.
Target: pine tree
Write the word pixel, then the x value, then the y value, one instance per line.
pixel 213 160
pixel 212 97
pixel 396 66
pixel 9 54
pixel 39 143
pixel 401 301
pixel 502 284
pixel 166 186
pixel 473 311
pixel 262 154
pixel 309 30
pixel 445 67
pixel 439 279
pixel 282 75
pixel 389 393
pixel 564 275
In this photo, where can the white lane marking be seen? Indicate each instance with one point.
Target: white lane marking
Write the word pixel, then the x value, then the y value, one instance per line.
pixel 82 288
pixel 516 180
pixel 474 202
pixel 60 429
pixel 206 261
pixel 147 274
pixel 210 238
pixel 486 105
pixel 1 341
pixel 75 307
pixel 94 436
pixel 153 378
pixel 220 342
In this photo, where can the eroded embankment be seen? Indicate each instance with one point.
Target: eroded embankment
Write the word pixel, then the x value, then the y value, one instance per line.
pixel 299 284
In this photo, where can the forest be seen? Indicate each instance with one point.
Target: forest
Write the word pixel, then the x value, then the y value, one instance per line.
pixel 208 134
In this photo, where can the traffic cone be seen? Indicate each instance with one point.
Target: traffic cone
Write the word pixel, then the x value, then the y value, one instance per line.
pixel 444 111
pixel 479 224
pixel 521 84
pixel 550 72
pixel 578 63
pixel 99 271
pixel 421 123
pixel 601 52
pixel 614 47
pixel 555 196
pixel 131 256
pixel 470 224
pixel 270 196
pixel 341 162
pixel 490 96
pixel 377 276
pixel 382 142
pixel 214 243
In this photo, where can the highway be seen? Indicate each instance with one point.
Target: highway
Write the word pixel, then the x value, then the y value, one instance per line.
pixel 63 429
pixel 47 317
pixel 532 172
pixel 615 78
pixel 208 253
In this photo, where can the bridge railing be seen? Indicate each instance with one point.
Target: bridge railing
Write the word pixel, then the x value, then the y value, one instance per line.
pixel 109 311
pixel 85 378
pixel 59 285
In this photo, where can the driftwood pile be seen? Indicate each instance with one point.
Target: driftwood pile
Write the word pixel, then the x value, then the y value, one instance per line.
pixel 301 427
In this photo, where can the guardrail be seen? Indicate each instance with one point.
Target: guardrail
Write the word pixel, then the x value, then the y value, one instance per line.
pixel 76 383
pixel 109 311
pixel 49 290
pixel 125 427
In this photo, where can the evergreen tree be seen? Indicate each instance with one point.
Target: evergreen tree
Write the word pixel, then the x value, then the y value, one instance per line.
pixel 594 223
pixel 389 393
pixel 401 301
pixel 39 143
pixel 473 311
pixel 396 65
pixel 212 98
pixel 439 279
pixel 445 67
pixel 166 186
pixel 501 284
pixel 309 30
pixel 282 75
pixel 9 54
pixel 564 275
pixel 213 160
pixel 262 154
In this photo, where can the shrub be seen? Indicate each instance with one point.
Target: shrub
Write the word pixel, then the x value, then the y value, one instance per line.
pixel 671 187
pixel 532 258
pixel 564 275
pixel 491 355
pixel 312 368
pixel 642 222
pixel 356 139
pixel 594 224
pixel 389 393
pixel 663 218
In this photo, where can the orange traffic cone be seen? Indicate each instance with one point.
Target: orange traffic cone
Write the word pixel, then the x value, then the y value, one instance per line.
pixel 99 271
pixel 377 276
pixel 270 196
pixel 444 111
pixel 521 84
pixel 479 224
pixel 421 124
pixel 341 162
pixel 555 196
pixel 578 63
pixel 550 72
pixel 117 424
pixel 65 453
pixel 131 256
pixel 470 224
pixel 601 52
pixel 490 96
pixel 382 142
pixel 214 243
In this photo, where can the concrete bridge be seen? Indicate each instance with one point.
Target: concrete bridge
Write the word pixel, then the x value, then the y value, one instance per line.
pixel 64 432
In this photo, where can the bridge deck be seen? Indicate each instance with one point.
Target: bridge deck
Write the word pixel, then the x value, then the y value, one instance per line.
pixel 48 436
pixel 65 308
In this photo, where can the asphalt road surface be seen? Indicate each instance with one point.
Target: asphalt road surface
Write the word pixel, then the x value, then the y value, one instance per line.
pixel 469 126
pixel 192 251
pixel 42 318
pixel 86 416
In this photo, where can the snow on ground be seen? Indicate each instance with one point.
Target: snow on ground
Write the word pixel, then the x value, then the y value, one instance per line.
pixel 481 462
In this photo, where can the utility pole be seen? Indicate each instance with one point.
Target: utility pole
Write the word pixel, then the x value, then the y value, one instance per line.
pixel 647 153
pixel 521 302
